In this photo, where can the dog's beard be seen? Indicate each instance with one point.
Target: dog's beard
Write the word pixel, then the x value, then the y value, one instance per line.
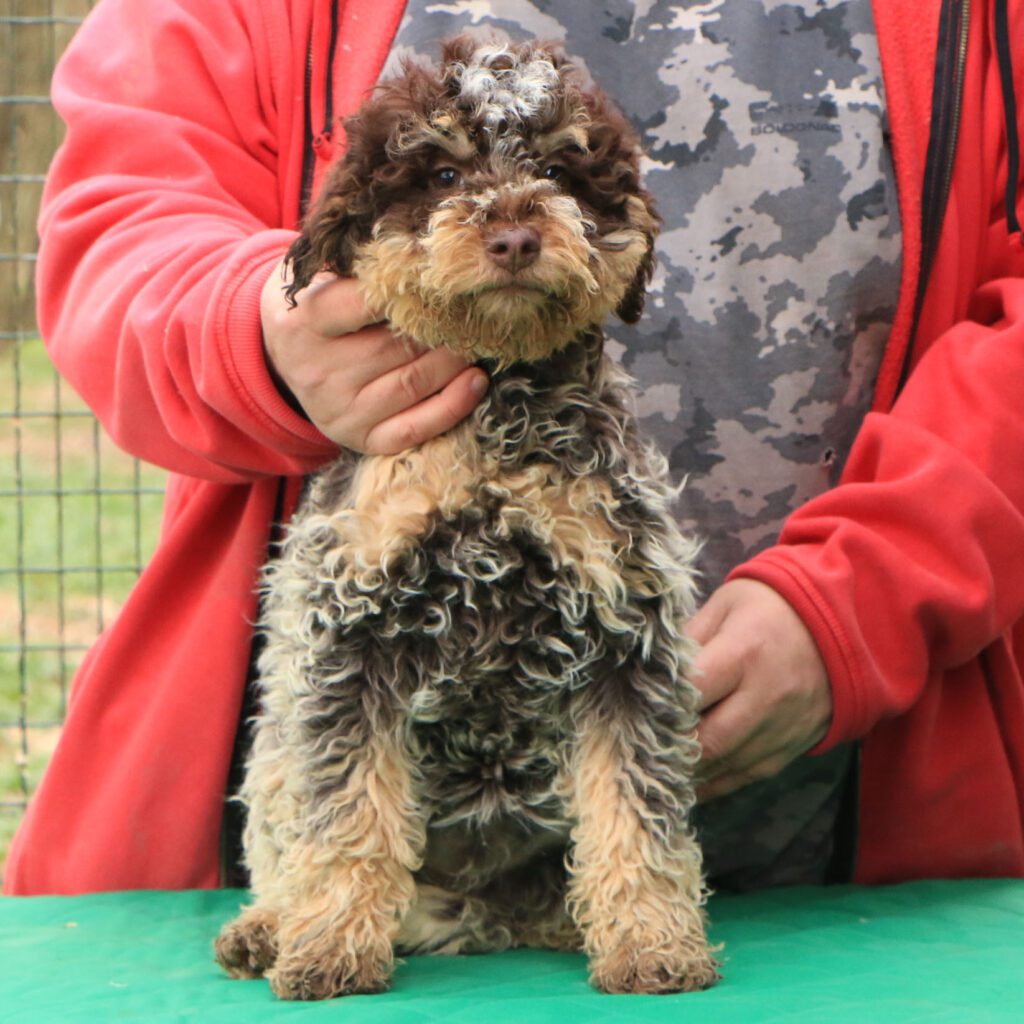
pixel 440 288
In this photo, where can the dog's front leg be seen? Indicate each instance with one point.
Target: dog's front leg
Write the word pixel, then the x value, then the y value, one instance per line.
pixel 636 889
pixel 347 882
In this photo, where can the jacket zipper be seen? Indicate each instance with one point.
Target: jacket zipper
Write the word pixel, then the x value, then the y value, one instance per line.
pixel 313 142
pixel 947 100
pixel 329 84
pixel 954 132
pixel 308 152
pixel 1003 51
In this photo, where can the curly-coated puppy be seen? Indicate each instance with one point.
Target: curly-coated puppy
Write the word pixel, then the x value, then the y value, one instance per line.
pixel 476 728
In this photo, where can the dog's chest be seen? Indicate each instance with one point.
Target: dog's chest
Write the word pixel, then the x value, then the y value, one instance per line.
pixel 490 592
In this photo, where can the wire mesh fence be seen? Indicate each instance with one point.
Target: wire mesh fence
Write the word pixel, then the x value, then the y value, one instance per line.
pixel 77 517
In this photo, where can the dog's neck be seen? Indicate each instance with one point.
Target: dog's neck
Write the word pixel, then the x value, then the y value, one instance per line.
pixel 547 411
pixel 577 363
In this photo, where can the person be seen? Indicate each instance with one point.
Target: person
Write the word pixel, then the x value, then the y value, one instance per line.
pixel 832 354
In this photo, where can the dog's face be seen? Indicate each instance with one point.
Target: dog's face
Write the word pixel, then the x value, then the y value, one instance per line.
pixel 491 205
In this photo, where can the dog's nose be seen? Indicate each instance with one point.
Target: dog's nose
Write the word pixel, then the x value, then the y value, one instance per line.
pixel 514 248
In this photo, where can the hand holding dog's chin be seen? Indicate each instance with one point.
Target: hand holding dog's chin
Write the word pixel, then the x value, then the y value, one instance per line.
pixel 360 385
pixel 765 692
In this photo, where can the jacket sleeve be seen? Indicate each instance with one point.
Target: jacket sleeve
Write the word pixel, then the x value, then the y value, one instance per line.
pixel 912 565
pixel 161 218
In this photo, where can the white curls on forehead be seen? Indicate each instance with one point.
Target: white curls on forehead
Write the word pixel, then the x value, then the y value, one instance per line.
pixel 516 90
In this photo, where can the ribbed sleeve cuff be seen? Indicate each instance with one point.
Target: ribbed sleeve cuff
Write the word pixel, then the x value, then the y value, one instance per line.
pixel 850 717
pixel 240 336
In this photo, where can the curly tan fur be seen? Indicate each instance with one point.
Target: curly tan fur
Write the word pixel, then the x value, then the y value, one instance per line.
pixel 475 669
pixel 636 887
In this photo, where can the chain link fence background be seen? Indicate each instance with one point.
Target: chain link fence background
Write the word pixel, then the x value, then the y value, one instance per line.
pixel 78 518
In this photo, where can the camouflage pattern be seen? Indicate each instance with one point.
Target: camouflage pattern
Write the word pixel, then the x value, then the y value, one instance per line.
pixel 763 125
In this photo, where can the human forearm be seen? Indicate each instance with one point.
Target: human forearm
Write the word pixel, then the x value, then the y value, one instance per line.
pixel 161 220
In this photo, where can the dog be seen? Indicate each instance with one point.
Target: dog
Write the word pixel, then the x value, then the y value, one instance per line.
pixel 477 729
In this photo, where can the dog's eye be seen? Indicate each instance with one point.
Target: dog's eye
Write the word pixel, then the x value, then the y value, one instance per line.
pixel 556 173
pixel 446 177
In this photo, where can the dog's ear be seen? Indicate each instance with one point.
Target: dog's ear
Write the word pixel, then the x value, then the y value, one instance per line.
pixel 332 231
pixel 611 167
pixel 632 303
pixel 379 168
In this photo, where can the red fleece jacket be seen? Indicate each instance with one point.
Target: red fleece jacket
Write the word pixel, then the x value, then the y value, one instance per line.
pixel 177 190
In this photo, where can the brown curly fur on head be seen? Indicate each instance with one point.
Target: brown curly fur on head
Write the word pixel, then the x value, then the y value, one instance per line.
pixel 442 160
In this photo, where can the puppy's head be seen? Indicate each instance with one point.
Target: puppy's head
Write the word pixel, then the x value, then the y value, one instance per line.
pixel 491 205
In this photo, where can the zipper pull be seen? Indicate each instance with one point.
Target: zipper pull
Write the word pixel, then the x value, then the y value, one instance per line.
pixel 323 146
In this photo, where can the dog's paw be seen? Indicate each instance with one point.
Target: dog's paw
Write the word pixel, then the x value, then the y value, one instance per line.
pixel 299 976
pixel 654 973
pixel 247 946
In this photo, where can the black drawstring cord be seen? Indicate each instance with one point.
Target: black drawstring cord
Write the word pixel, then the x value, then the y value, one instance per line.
pixel 1010 115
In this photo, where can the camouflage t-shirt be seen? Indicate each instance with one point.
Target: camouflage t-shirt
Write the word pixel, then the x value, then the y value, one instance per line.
pixel 763 125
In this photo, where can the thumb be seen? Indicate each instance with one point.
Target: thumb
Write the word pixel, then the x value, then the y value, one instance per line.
pixel 708 619
pixel 716 673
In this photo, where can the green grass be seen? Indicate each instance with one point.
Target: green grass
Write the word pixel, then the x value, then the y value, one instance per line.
pixel 57 470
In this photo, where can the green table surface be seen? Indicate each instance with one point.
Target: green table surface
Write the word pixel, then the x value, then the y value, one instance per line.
pixel 927 951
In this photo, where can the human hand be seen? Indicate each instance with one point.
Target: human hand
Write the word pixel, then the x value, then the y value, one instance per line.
pixel 765 692
pixel 361 386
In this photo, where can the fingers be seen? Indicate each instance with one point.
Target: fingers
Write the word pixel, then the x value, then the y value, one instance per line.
pixel 373 352
pixel 716 674
pixel 396 388
pixel 363 387
pixel 749 736
pixel 765 691
pixel 733 738
pixel 430 417
pixel 737 749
